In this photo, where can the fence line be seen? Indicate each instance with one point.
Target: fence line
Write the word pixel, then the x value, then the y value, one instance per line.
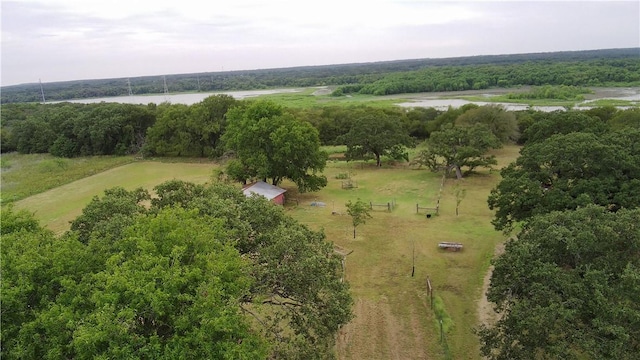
pixel 390 205
pixel 436 209
pixel 443 335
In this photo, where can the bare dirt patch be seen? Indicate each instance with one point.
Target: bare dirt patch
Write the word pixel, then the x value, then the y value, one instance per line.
pixel 486 314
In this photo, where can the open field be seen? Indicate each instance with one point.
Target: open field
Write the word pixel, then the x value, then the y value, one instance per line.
pixel 24 175
pixel 393 319
pixel 56 207
pixel 393 315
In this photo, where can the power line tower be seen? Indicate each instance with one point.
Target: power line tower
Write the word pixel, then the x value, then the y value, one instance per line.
pixel 166 89
pixel 42 91
pixel 129 85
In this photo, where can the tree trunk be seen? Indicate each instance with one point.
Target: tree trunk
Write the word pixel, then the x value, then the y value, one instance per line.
pixel 378 162
pixel 354 232
pixel 458 172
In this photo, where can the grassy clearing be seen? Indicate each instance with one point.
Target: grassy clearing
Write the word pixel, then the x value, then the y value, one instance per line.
pixel 613 102
pixel 393 314
pixel 57 207
pixel 307 99
pixel 530 102
pixel 26 175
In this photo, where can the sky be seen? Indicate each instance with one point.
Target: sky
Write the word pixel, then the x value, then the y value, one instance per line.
pixel 60 40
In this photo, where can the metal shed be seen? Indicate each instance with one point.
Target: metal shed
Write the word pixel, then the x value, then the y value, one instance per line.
pixel 271 192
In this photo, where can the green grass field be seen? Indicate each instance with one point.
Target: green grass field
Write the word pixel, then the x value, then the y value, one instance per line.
pixel 306 99
pixel 26 175
pixel 57 207
pixel 393 314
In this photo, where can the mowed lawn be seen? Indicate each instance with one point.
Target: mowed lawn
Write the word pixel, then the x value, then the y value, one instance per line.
pixel 57 207
pixel 393 317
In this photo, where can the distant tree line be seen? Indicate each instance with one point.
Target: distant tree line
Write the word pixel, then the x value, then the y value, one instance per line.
pixel 604 72
pixel 579 68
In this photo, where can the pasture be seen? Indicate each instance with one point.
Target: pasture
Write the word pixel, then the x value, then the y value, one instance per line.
pixel 393 314
pixel 57 207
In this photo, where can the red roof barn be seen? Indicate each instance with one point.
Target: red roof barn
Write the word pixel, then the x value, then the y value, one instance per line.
pixel 271 192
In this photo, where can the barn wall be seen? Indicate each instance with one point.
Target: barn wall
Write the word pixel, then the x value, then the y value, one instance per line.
pixel 279 199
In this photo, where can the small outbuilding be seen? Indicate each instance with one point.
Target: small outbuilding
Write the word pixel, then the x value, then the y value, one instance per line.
pixel 271 192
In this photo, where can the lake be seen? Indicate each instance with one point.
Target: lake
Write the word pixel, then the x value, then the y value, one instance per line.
pixel 187 98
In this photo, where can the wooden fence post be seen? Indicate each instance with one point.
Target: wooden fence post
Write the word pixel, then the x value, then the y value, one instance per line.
pixel 430 291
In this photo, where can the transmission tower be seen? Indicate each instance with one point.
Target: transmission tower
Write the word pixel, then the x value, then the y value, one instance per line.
pixel 42 91
pixel 166 89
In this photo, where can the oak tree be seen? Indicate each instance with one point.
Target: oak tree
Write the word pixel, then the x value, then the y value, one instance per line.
pixel 458 147
pixel 377 133
pixel 567 171
pixel 568 288
pixel 271 144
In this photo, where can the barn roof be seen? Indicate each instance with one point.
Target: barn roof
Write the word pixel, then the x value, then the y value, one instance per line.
pixel 262 188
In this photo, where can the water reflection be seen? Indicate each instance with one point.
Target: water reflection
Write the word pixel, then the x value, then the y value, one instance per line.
pixel 444 104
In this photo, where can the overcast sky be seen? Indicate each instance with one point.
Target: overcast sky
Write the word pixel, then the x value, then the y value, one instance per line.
pixel 57 40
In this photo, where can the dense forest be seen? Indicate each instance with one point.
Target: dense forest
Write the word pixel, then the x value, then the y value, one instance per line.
pixel 577 68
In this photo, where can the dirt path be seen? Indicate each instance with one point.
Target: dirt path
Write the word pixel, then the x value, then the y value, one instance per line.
pixel 386 334
pixel 486 315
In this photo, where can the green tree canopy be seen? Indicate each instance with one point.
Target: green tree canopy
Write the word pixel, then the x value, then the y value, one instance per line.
pixel 563 122
pixel 568 288
pixel 567 171
pixel 376 132
pixel 271 144
pixel 502 123
pixel 625 118
pixel 170 287
pixel 455 147
pixel 359 212
pixel 204 272
pixel 297 297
